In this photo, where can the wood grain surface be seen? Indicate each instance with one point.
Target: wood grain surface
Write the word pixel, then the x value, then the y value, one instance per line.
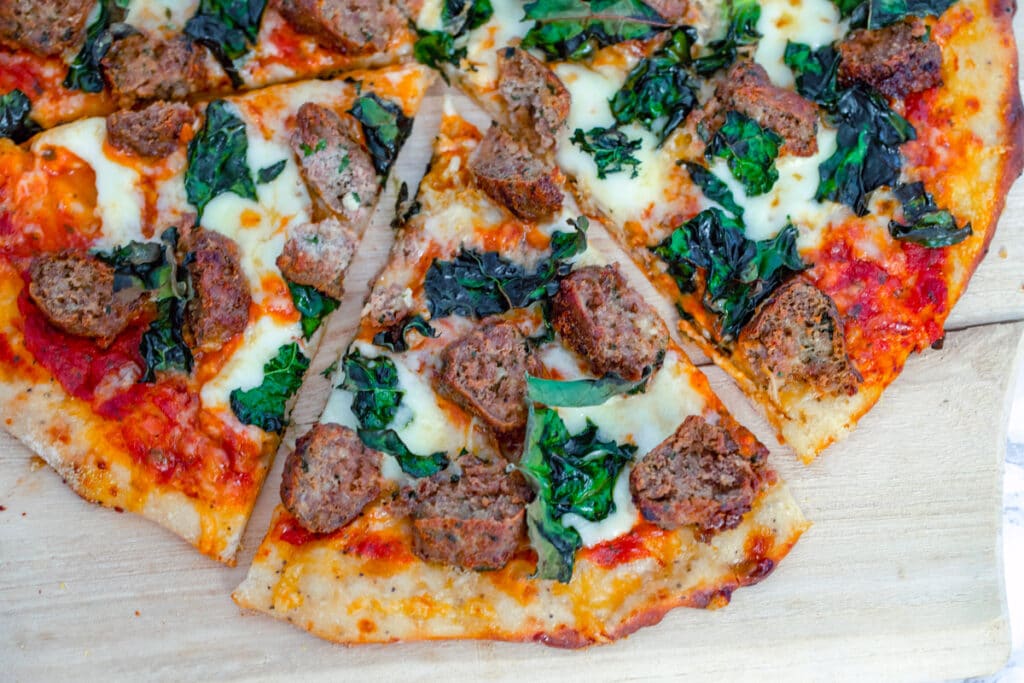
pixel 900 577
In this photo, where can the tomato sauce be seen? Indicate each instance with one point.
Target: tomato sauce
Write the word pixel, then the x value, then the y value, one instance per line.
pixel 626 548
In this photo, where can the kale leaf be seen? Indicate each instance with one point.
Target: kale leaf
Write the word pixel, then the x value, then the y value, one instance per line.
pixel 84 73
pixel 458 17
pixel 713 187
pixel 162 346
pixel 815 71
pixel 659 87
pixel 741 30
pixel 749 150
pixel 15 123
pixel 393 338
pixel 611 148
pixel 229 28
pixel 264 406
pixel 476 284
pixel 388 441
pixel 267 174
pixel 217 159
pixel 873 14
pixel 925 223
pixel 571 473
pixel 385 126
pixel 738 273
pixel 582 392
pixel 575 29
pixel 312 305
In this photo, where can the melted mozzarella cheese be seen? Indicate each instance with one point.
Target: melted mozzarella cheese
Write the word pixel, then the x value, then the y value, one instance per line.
pixel 119 199
pixel 812 22
pixel 160 15
pixel 505 27
pixel 618 522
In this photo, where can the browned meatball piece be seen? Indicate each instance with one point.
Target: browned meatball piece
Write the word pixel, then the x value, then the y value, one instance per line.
pixel 349 26
pixel 896 60
pixel 329 478
pixel 485 373
pixel 475 521
pixel 44 27
pixel 388 304
pixel 796 338
pixel 536 99
pixel 607 322
pixel 510 175
pixel 140 68
pixel 318 254
pixel 75 291
pixel 152 132
pixel 748 90
pixel 219 307
pixel 700 475
pixel 338 169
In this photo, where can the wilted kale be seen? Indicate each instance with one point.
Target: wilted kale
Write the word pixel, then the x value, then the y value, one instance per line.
pixel 84 73
pixel 582 392
pixel 878 13
pixel 393 338
pixel 229 28
pixel 924 222
pixel 267 174
pixel 713 188
pixel 611 148
pixel 749 150
pixel 388 441
pixel 575 29
pixel 738 273
pixel 217 158
pixel 741 30
pixel 15 123
pixel 312 305
pixel 458 17
pixel 264 406
pixel 385 126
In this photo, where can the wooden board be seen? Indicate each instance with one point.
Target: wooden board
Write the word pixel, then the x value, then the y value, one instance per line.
pixel 900 576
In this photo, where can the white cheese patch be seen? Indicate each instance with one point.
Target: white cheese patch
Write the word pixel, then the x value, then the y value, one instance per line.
pixel 160 15
pixel 119 199
pixel 505 26
pixel 812 22
pixel 618 522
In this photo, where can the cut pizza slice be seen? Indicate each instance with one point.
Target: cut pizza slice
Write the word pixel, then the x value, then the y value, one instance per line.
pixel 163 274
pixel 515 448
pixel 812 188
pixel 63 60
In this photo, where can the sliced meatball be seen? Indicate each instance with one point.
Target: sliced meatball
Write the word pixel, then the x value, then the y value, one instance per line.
pixel 337 167
pixel 475 520
pixel 699 475
pixel 748 90
pixel 510 175
pixel 141 68
pixel 484 371
pixel 349 26
pixel 219 307
pixel 318 254
pixel 76 293
pixel 329 478
pixel 896 60
pixel 44 27
pixel 536 99
pixel 607 322
pixel 151 132
pixel 796 338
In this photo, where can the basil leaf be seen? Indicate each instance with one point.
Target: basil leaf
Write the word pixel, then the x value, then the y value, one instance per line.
pixel 385 126
pixel 925 223
pixel 217 159
pixel 269 173
pixel 738 273
pixel 659 88
pixel 229 28
pixel 611 148
pixel 388 441
pixel 749 150
pixel 393 338
pixel 575 29
pixel 741 29
pixel 15 123
pixel 312 305
pixel 713 188
pixel 264 406
pixel 581 392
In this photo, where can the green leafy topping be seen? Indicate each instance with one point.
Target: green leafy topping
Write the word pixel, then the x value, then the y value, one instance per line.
pixel 658 90
pixel 15 123
pixel 713 187
pixel 741 30
pixel 216 158
pixel 815 71
pixel 312 305
pixel 738 273
pixel 580 393
pixel 84 73
pixel 874 14
pixel 387 441
pixel 264 405
pixel 575 29
pixel 476 284
pixel 385 126
pixel 269 173
pixel 435 48
pixel 571 473
pixel 229 28
pixel 329 370
pixel 749 150
pixel 611 148
pixel 924 222
pixel 394 337
pixel 458 17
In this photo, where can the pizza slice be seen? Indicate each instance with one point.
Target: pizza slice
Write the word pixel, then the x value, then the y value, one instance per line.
pixel 163 274
pixel 515 448
pixel 60 61
pixel 812 184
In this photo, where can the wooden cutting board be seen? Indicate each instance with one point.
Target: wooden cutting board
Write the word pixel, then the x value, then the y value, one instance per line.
pixel 900 576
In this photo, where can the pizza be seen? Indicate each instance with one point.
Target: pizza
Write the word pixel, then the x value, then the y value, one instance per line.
pixel 163 275
pixel 812 183
pixel 515 448
pixel 64 60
